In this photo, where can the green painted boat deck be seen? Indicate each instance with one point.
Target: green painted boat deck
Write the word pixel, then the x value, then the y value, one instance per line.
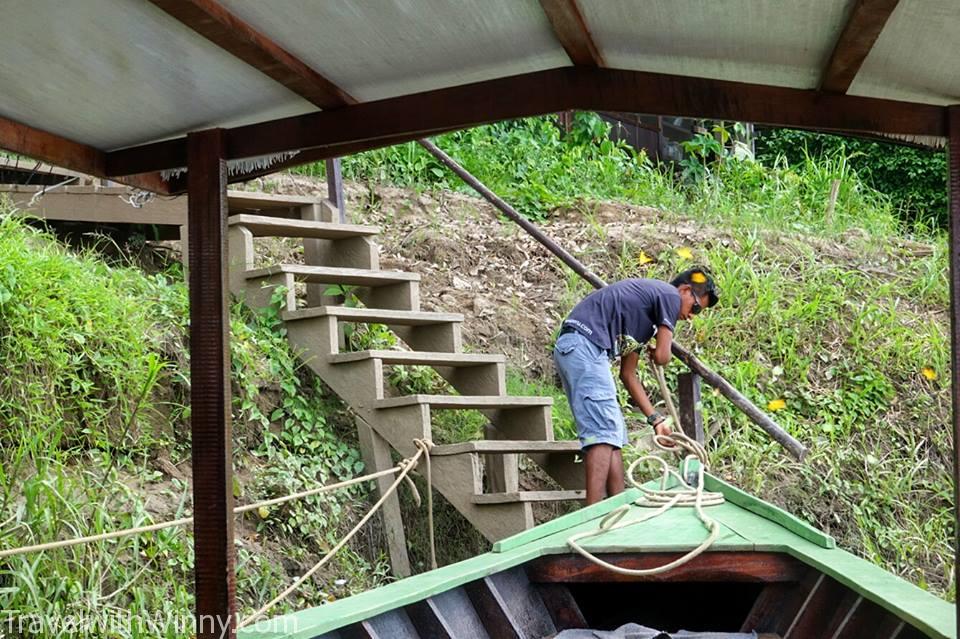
pixel 747 524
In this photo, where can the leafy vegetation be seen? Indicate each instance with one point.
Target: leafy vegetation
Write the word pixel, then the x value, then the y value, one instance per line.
pixel 914 178
pixel 833 316
pixel 93 398
pixel 528 162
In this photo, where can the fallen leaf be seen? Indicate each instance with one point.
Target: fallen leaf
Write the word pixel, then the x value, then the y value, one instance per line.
pixel 263 511
pixel 685 253
pixel 643 258
pixel 776 404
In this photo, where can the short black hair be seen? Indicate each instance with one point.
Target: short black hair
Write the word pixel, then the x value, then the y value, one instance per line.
pixel 701 281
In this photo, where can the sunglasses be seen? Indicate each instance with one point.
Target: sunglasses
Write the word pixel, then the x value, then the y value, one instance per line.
pixel 696 305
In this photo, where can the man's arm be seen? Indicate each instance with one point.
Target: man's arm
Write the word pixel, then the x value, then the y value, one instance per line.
pixel 661 354
pixel 628 375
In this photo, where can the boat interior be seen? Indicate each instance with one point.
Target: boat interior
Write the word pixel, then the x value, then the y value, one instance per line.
pixel 717 595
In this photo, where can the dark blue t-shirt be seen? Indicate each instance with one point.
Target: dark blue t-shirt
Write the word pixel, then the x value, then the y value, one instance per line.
pixel 634 307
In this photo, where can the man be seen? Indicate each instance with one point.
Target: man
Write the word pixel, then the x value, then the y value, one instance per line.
pixel 593 335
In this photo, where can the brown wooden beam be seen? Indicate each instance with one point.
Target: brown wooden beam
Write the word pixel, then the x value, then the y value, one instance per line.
pixel 758 567
pixel 179 184
pixel 863 27
pixel 953 158
pixel 572 31
pixel 368 123
pixel 215 23
pixel 210 397
pixel 57 150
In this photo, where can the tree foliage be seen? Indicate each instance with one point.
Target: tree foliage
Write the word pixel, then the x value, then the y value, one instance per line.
pixel 914 178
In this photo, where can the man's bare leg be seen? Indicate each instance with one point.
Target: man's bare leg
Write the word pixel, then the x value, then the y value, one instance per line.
pixel 615 474
pixel 598 463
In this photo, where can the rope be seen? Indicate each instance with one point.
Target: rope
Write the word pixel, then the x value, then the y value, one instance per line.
pixel 662 499
pixel 39 194
pixel 667 397
pixel 184 521
pixel 406 465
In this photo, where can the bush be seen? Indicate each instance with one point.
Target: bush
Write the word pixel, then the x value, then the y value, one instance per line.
pixel 915 179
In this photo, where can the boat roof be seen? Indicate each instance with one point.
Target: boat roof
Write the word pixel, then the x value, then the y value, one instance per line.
pixel 151 77
pixel 746 524
pixel 336 78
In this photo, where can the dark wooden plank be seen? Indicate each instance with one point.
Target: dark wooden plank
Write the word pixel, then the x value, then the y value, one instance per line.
pixel 572 31
pixel 547 92
pixel 428 620
pixel 562 606
pixel 759 567
pixel 841 613
pixel 688 392
pixel 492 610
pixel 770 606
pixel 229 32
pixel 953 156
pixel 909 632
pixel 816 614
pixel 863 27
pixel 458 614
pixel 60 151
pixel 360 630
pixel 335 187
pixel 869 620
pixel 210 399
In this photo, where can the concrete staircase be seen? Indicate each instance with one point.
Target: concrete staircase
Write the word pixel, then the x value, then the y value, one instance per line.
pixel 480 478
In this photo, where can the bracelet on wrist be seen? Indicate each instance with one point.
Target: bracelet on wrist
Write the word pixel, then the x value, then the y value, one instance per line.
pixel 654 418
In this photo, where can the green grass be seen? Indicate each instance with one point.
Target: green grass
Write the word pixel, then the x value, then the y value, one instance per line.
pixel 845 346
pixel 93 392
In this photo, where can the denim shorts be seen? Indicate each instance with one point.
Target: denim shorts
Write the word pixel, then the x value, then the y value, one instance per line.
pixel 585 372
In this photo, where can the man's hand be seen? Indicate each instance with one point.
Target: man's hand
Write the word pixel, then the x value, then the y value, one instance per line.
pixel 662 428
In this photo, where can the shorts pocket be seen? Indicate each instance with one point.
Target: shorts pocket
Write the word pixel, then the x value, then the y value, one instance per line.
pixel 566 343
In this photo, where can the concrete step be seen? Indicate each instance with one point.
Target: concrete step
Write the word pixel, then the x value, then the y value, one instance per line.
pixel 421 357
pixel 464 402
pixel 530 496
pixel 508 446
pixel 334 275
pixel 374 316
pixel 267 226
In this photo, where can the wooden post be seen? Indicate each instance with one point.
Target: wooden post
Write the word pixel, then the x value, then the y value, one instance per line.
pixel 335 187
pixel 953 155
pixel 210 400
pixel 691 419
pixel 376 457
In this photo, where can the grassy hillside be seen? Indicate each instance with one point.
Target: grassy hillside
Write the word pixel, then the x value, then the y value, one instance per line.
pixel 94 383
pixel 835 317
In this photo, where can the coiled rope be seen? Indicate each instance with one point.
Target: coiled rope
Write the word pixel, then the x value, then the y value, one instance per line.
pixel 662 499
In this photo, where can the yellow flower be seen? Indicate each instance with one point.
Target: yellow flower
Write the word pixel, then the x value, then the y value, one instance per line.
pixel 776 404
pixel 643 258
pixel 929 373
pixel 263 511
pixel 685 253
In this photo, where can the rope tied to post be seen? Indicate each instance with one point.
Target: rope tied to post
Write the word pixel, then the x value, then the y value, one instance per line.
pixel 405 466
pixel 662 499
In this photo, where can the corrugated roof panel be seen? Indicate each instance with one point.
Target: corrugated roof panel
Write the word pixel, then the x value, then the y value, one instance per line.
pixel 113 73
pixel 756 41
pixel 915 57
pixel 376 49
